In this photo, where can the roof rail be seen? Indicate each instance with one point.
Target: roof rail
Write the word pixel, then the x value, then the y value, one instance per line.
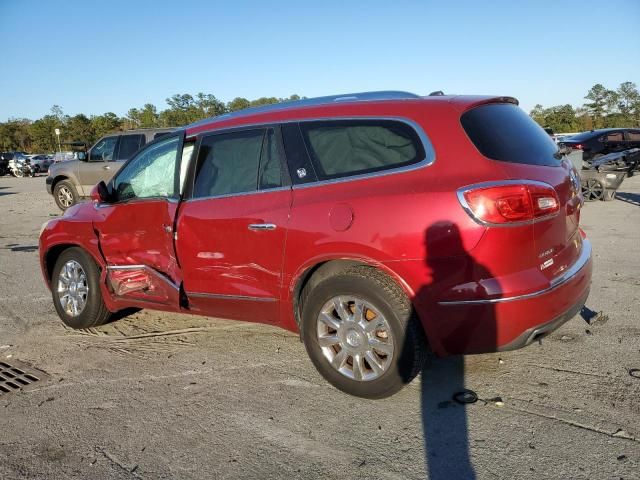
pixel 312 102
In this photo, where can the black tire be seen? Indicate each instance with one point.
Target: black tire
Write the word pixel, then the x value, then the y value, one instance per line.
pixel 94 312
pixel 377 289
pixel 65 194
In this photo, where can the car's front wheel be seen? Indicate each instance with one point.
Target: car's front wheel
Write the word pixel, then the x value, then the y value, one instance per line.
pixel 75 285
pixel 65 195
pixel 360 332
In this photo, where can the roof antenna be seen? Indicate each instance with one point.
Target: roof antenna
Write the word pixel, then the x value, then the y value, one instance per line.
pixel 437 93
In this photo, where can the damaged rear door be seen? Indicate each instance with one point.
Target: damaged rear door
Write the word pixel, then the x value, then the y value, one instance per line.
pixel 136 229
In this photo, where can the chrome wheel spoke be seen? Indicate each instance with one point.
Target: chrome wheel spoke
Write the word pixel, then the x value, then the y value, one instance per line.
pixel 339 360
pixel 358 367
pixel 329 321
pixel 382 347
pixel 340 306
pixel 374 362
pixel 328 340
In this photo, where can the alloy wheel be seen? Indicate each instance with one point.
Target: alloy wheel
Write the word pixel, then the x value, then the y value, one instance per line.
pixel 65 197
pixel 355 338
pixel 72 288
pixel 592 190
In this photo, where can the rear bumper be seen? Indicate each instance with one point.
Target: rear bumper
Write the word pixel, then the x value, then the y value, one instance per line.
pixel 508 323
pixel 48 181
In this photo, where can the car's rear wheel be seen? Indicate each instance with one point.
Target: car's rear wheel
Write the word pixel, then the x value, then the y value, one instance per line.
pixel 75 285
pixel 360 331
pixel 65 194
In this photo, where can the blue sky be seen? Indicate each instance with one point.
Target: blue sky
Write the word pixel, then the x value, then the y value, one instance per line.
pixel 93 57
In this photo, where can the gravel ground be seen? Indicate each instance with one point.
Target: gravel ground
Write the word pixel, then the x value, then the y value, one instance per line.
pixel 232 399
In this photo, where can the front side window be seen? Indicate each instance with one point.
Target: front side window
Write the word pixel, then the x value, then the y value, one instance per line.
pixel 151 173
pixel 228 163
pixel 104 149
pixel 343 148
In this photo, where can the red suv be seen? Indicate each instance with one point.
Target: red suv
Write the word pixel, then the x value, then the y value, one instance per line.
pixel 378 225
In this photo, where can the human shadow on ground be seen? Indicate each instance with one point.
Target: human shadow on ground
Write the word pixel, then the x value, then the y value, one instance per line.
pixel 470 329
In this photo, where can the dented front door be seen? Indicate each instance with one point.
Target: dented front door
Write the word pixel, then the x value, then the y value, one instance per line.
pixel 135 231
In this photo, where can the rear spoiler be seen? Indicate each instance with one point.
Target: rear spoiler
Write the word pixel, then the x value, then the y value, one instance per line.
pixel 463 103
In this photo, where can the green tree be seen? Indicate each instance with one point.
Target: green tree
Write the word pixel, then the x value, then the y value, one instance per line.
pixel 106 123
pixel 238 103
pixel 629 103
pixel 600 103
pixel 79 129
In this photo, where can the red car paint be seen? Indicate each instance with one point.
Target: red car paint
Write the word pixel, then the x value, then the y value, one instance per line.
pixel 198 256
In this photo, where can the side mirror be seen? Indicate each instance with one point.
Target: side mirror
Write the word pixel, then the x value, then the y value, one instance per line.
pixel 82 156
pixel 100 193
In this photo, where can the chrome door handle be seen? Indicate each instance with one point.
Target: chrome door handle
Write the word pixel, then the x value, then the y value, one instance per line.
pixel 106 167
pixel 262 226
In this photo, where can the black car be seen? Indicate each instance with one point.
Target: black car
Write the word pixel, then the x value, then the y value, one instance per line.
pixel 597 143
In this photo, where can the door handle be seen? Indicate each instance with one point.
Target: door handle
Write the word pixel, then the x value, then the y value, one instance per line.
pixel 106 167
pixel 262 226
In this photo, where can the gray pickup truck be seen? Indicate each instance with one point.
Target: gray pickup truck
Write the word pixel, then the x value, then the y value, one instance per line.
pixel 71 180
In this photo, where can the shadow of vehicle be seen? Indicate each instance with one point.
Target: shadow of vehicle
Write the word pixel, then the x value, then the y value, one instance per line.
pixel 444 397
pixel 14 247
pixel 632 198
pixel 6 193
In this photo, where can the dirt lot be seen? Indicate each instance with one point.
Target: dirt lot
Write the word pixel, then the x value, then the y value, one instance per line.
pixel 230 399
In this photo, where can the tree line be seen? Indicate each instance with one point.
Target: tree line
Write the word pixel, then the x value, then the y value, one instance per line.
pixel 39 136
pixel 603 108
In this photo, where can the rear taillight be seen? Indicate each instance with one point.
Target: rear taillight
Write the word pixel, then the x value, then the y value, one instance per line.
pixel 509 202
pixel 577 146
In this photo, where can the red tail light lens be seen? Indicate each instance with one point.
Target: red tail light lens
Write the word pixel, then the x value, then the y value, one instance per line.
pixel 577 146
pixel 511 202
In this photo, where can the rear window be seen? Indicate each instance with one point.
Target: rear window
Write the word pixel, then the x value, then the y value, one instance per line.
pixel 505 132
pixel 343 148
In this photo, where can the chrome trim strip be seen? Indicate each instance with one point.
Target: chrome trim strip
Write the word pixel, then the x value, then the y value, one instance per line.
pixel 240 194
pixel 262 226
pixel 125 267
pixel 463 201
pixel 572 271
pixel 217 296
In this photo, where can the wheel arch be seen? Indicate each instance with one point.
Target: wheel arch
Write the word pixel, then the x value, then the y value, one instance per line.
pixel 322 269
pixel 52 254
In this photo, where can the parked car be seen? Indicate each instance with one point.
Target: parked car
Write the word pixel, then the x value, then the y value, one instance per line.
pixel 40 163
pixel 72 179
pixel 4 162
pixel 597 143
pixel 379 226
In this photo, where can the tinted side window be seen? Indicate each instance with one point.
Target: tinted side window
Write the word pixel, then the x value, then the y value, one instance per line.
pixel 350 147
pixel 103 150
pixel 129 144
pixel 151 173
pixel 613 137
pixel 505 132
pixel 633 135
pixel 228 163
pixel 270 175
